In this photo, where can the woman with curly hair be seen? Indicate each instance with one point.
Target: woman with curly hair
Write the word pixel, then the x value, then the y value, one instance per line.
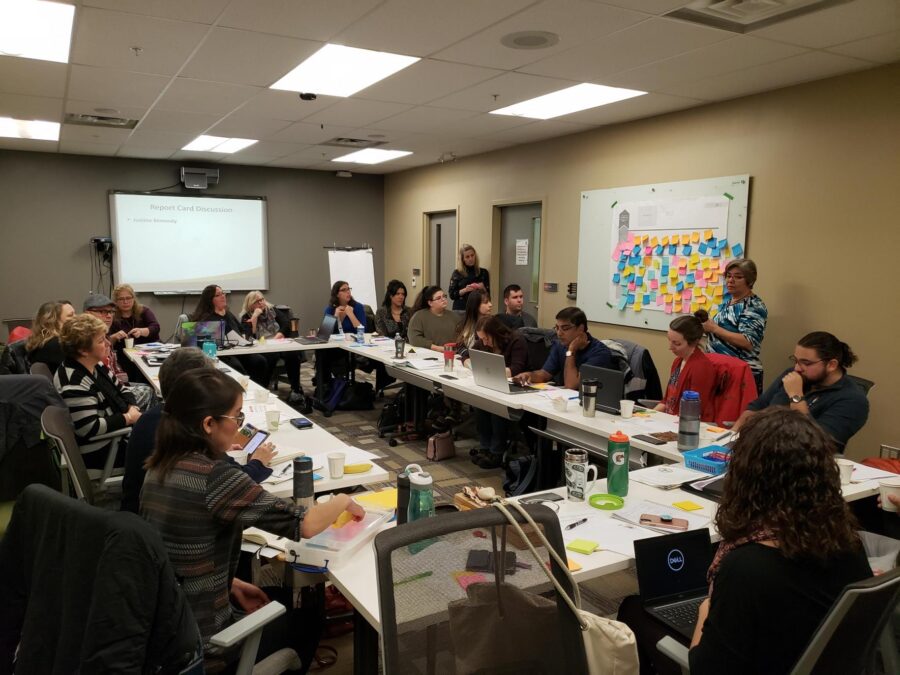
pixel 43 343
pixel 789 547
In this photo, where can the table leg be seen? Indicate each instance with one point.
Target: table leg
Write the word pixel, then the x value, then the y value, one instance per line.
pixel 365 646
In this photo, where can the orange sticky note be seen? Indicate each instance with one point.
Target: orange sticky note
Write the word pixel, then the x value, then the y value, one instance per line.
pixel 685 239
pixel 695 237
pixel 707 235
pixel 665 240
pixel 677 306
pixel 654 242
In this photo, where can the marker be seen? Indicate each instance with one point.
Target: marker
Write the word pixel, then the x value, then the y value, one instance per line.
pixel 576 524
pixel 415 577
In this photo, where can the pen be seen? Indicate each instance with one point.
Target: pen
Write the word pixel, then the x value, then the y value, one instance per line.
pixel 576 524
pixel 414 577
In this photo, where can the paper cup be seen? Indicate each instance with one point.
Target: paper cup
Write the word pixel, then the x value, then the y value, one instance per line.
pixel 889 486
pixel 845 466
pixel 336 464
pixel 626 407
pixel 244 381
pixel 261 395
pixel 273 419
pixel 129 343
pixel 560 403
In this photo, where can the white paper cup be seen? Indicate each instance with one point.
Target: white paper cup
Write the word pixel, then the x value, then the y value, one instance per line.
pixel 261 395
pixel 626 407
pixel 273 419
pixel 368 338
pixel 336 464
pixel 845 466
pixel 129 343
pixel 244 381
pixel 560 403
pixel 889 486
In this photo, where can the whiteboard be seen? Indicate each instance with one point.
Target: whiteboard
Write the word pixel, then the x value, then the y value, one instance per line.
pixel 357 268
pixel 630 225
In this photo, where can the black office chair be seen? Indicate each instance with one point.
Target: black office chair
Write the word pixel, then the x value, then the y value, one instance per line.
pixel 41 369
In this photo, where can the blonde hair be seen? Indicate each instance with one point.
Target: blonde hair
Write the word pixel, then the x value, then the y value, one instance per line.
pixel 45 326
pixel 461 266
pixel 136 309
pixel 77 335
pixel 251 299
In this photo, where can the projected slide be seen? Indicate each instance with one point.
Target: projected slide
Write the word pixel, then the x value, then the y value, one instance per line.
pixel 174 243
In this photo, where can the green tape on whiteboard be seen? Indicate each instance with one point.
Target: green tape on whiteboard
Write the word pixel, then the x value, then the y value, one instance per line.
pixel 728 195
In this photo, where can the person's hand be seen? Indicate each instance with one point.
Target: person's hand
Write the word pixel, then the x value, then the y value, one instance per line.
pixel 893 499
pixel 256 312
pixel 139 332
pixel 264 453
pixel 119 335
pixel 523 379
pixel 709 326
pixel 578 343
pixel 279 336
pixel 132 415
pixel 479 286
pixel 247 596
pixel 793 384
pixel 355 510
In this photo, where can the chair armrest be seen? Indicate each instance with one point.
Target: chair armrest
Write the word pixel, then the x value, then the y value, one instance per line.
pixel 111 434
pixel 251 623
pixel 675 651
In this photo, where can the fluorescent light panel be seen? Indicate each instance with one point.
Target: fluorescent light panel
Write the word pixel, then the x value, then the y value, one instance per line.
pixel 372 156
pixel 218 144
pixel 34 129
pixel 33 29
pixel 567 101
pixel 335 70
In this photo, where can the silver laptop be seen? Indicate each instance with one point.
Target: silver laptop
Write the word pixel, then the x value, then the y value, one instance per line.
pixel 489 370
pixel 326 328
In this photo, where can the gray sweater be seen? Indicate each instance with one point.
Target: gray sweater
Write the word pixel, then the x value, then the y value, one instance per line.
pixel 426 328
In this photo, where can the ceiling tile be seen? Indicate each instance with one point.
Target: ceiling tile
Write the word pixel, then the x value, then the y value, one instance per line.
pixel 836 25
pixel 244 126
pixel 200 11
pixel 197 157
pixel 315 154
pixel 352 112
pixel 423 119
pixel 94 108
pixel 214 98
pixel 574 21
pixel 483 125
pixel 285 105
pixel 31 107
pixel 32 77
pixel 163 140
pixel 427 25
pixel 884 48
pixel 183 122
pixel 644 43
pixel 427 80
pixel 141 152
pixel 243 57
pixel 114 88
pixel 28 144
pixel 310 19
pixel 83 148
pixel 648 6
pixel 105 38
pixel 269 150
pixel 632 109
pixel 502 91
pixel 80 133
pixel 301 132
pixel 539 131
pixel 291 162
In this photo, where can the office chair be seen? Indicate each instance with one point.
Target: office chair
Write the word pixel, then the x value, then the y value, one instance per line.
pixel 844 643
pixel 41 369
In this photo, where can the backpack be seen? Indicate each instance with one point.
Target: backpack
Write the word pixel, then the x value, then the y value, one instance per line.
pixel 357 396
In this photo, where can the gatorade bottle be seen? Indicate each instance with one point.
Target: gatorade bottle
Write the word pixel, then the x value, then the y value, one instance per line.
pixel 617 464
pixel 689 421
pixel 421 504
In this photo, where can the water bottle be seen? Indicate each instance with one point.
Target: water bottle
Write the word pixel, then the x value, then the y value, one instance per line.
pixel 303 482
pixel 689 421
pixel 403 492
pixel 421 504
pixel 399 346
pixel 589 397
pixel 449 357
pixel 617 464
pixel 361 334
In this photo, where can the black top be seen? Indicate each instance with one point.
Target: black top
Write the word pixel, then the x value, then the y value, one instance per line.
pixel 516 321
pixel 766 608
pixel 50 353
pixel 841 409
pixel 458 281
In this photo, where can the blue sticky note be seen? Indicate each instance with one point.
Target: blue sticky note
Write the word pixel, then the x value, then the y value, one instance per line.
pixel 658 250
pixel 665 271
pixel 679 286
pixel 686 249
pixel 690 278
pixel 631 298
pixel 738 250
pixel 652 296
pixel 673 249
pixel 639 281
pixel 722 243
pixel 621 266
pixel 712 243
pixel 702 248
pixel 623 257
pixel 646 300
pixel 715 253
pixel 616 278
pixel 665 261
pixel 623 300
pixel 635 260
pixel 631 277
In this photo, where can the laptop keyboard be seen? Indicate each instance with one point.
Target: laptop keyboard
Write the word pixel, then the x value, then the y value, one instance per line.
pixel 683 614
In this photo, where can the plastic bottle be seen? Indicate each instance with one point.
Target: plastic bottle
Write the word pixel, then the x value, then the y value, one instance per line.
pixel 689 421
pixel 403 492
pixel 399 346
pixel 304 494
pixel 421 504
pixel 617 464
pixel 361 334
pixel 449 356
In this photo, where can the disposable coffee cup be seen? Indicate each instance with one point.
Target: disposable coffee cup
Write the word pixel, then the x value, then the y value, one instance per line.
pixel 129 343
pixel 845 466
pixel 273 419
pixel 626 407
pixel 560 403
pixel 261 395
pixel 336 464
pixel 244 381
pixel 889 486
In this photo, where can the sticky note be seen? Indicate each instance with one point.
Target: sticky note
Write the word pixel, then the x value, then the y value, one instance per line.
pixel 651 274
pixel 690 278
pixel 701 282
pixel 718 291
pixel 663 288
pixel 584 546
pixel 695 257
pixel 623 300
pixel 639 280
pixel 621 266
pixel 695 237
pixel 668 309
pixel 654 284
pixel 665 241
pixel 686 250
pixel 631 286
pixel 466 579
pixel 658 250
pixel 616 278
pixel 687 505
pixel 654 242
pixel 637 307
pixel 672 249
pixel 712 243
pixel 701 300
pixel 648 260
pixel 705 263
pixel 660 300
pixel 675 260
pixel 673 274
pixel 685 239
pixel 626 270
pixel 694 307
pixel 679 286
pixel 677 306
pixel 631 298
pixel 617 251
pixel 708 234
pixel 686 294
pixel 646 299
pixel 738 250
pixel 702 248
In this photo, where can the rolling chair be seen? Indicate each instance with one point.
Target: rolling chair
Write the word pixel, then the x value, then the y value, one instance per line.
pixel 41 369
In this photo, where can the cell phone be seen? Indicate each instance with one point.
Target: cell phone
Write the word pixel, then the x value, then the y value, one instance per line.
pixel 479 561
pixel 665 522
pixel 250 438
pixel 665 436
pixel 649 439
pixel 302 423
pixel 543 497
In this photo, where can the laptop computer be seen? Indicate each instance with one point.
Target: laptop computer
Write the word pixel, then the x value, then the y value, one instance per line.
pixel 489 370
pixel 671 574
pixel 326 329
pixel 610 386
pixel 195 333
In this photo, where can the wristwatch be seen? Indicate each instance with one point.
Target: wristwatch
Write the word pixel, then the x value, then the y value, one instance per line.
pixel 797 399
pixel 569 352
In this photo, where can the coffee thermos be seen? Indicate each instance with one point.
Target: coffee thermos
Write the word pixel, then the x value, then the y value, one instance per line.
pixel 303 482
pixel 588 397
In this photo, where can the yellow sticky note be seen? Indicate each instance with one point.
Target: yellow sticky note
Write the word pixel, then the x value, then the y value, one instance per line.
pixel 663 289
pixel 705 263
pixel 687 506
pixel 384 500
pixel 695 257
pixel 707 235
pixel 584 546
pixel 718 292
pixel 695 237
pixel 673 273
pixel 701 300
pixel 657 263
pixel 685 239
pixel 694 307
pixel 628 270
pixel 665 240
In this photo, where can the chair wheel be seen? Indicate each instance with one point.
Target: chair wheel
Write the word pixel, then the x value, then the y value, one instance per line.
pixel 328 413
pixel 393 442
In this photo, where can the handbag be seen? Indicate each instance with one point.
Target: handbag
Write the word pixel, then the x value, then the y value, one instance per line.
pixel 609 646
pixel 440 446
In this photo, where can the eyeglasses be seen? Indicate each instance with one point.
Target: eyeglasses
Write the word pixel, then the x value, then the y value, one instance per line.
pixel 107 312
pixel 438 298
pixel 239 418
pixel 344 290
pixel 564 328
pixel 805 363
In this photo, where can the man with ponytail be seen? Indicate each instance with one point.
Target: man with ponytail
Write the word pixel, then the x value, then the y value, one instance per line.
pixel 818 385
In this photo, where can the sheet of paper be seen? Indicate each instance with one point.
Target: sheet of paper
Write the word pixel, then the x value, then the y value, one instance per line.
pixel 666 475
pixel 609 533
pixel 863 473
pixel 631 513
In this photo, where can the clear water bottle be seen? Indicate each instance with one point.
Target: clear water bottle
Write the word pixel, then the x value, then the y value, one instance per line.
pixel 361 334
pixel 421 504
pixel 689 421
pixel 617 464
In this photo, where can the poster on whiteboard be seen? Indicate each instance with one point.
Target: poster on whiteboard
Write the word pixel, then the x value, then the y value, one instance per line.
pixel 357 268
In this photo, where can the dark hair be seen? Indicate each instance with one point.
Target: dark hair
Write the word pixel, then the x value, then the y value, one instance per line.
pixel 702 315
pixel 747 268
pixel 471 314
pixel 573 315
pixel 180 362
pixel 499 332
pixel 393 286
pixel 335 287
pixel 828 347
pixel 510 289
pixel 782 476
pixel 205 308
pixel 195 395
pixel 423 298
pixel 689 327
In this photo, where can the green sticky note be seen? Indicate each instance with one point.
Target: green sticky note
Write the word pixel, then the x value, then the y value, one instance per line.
pixel 584 546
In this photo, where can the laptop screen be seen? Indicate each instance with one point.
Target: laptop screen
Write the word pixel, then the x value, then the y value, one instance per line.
pixel 610 386
pixel 672 565
pixel 327 327
pixel 195 333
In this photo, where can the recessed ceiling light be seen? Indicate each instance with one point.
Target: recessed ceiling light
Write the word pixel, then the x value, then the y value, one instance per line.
pixel 342 71
pixel 218 144
pixel 33 29
pixel 372 156
pixel 530 39
pixel 569 100
pixel 33 129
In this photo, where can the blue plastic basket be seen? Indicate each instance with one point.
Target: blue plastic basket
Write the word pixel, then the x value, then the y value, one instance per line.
pixel 694 459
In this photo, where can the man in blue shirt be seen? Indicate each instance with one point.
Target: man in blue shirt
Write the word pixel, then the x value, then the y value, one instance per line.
pixel 573 348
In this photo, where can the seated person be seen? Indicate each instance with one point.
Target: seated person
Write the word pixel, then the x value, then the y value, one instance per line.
pixel 213 306
pixel 478 304
pixel 432 325
pixel 132 319
pixel 691 369
pixel 515 317
pixel 42 345
pixel 350 314
pixel 143 436
pixel 98 402
pixel 393 315
pixel 262 320
pixel 818 385
pixel 200 504
pixel 573 348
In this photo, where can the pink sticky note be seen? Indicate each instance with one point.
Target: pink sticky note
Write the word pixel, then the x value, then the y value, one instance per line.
pixel 631 286
pixel 617 251
pixel 668 308
pixel 648 250
pixel 660 300
pixel 686 294
pixel 701 283
pixel 673 261
pixel 467 579
pixel 654 284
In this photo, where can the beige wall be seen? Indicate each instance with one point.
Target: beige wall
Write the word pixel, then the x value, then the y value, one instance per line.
pixel 823 226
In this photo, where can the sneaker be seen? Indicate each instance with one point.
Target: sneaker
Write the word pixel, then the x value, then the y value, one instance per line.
pixel 296 397
pixel 490 462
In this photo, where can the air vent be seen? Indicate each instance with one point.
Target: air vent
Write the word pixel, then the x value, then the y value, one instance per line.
pixel 357 143
pixel 743 16
pixel 100 121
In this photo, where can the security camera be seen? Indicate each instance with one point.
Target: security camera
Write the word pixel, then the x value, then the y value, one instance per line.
pixel 307 96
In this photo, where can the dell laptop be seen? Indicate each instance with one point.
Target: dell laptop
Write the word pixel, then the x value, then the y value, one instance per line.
pixel 489 370
pixel 195 333
pixel 671 575
pixel 610 386
pixel 326 330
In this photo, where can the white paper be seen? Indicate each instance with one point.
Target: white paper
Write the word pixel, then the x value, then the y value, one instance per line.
pixel 631 513
pixel 665 476
pixel 421 364
pixel 521 251
pixel 863 474
pixel 610 534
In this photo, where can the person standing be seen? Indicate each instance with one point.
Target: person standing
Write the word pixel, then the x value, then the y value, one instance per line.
pixel 515 315
pixel 468 276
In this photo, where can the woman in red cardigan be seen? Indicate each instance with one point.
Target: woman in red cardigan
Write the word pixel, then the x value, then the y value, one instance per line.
pixel 691 370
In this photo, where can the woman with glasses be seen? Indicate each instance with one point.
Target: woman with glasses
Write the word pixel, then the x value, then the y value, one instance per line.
pixel 740 324
pixel 201 503
pixel 341 305
pixel 132 319
pixel 468 276
pixel 432 324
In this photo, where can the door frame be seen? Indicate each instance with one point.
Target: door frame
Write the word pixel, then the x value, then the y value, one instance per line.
pixel 426 241
pixel 496 216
